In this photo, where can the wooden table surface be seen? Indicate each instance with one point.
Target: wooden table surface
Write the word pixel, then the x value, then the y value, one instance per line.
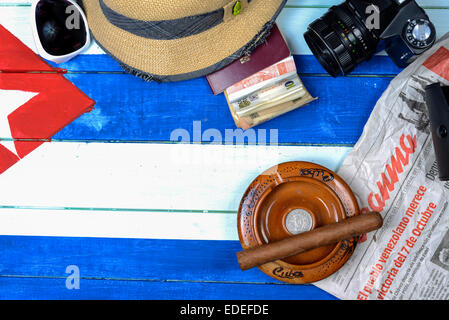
pixel 142 216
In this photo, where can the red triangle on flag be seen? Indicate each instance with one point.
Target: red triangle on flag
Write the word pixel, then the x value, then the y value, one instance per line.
pixel 35 106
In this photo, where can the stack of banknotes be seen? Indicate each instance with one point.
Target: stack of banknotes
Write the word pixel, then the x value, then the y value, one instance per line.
pixel 267 94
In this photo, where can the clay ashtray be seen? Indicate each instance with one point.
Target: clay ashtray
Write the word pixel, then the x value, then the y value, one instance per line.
pixel 292 198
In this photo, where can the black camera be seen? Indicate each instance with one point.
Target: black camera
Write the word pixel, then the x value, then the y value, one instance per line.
pixel 437 98
pixel 355 30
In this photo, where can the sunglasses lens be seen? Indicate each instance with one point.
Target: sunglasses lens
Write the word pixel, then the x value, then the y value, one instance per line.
pixel 60 27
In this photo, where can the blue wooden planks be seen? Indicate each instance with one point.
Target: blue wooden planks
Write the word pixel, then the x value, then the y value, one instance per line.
pixel 376 66
pixel 129 109
pixel 306 64
pixel 136 259
pixel 107 289
pixel 35 268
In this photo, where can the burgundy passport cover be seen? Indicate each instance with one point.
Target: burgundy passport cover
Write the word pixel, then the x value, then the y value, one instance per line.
pixel 273 50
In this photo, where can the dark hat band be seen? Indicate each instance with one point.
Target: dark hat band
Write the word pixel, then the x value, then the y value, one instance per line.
pixel 165 29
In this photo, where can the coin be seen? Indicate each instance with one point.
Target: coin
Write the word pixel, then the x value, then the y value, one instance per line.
pixel 298 221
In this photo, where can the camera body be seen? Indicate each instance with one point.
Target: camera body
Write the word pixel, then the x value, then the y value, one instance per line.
pixel 409 34
pixel 355 30
pixel 437 98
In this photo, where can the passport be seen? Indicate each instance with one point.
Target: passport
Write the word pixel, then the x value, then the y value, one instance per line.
pixel 273 50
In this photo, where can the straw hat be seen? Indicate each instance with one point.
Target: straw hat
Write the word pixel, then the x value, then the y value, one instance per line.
pixel 179 39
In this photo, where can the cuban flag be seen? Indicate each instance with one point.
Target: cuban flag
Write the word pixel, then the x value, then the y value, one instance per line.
pixel 133 185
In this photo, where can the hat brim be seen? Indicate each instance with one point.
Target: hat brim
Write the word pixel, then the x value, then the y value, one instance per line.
pixel 188 57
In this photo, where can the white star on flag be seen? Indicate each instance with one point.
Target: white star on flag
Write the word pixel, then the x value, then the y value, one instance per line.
pixel 11 100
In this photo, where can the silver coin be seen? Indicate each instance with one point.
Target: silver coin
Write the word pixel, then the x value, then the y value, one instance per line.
pixel 298 221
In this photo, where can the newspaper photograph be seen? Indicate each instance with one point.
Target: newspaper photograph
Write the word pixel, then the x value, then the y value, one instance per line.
pixel 393 170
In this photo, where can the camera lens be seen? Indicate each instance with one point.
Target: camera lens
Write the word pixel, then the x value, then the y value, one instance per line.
pixel 340 40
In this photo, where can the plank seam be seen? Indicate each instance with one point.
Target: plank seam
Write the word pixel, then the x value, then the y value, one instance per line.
pixel 151 280
pixel 301 74
pixel 163 142
pixel 119 209
pixel 15 4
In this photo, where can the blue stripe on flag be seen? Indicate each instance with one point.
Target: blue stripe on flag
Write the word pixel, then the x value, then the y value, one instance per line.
pixel 35 268
pixel 150 112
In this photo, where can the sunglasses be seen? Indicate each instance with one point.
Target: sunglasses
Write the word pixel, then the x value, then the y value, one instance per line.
pixel 60 29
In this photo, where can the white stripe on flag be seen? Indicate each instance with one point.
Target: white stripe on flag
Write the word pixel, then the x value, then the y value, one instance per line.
pixel 129 190
pixel 109 224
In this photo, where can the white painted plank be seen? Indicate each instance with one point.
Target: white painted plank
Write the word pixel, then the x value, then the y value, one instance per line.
pixel 146 176
pixel 110 224
pixel 315 3
pixel 292 21
pixel 290 2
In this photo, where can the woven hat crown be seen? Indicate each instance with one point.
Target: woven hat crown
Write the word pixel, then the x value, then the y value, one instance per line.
pixel 174 40
pixel 156 10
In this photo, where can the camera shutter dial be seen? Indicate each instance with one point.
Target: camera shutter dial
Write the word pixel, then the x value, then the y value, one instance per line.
pixel 420 33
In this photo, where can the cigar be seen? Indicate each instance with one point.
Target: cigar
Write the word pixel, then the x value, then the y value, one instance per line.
pixel 327 235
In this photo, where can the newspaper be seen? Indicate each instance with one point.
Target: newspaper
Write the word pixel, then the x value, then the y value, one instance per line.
pixel 393 170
